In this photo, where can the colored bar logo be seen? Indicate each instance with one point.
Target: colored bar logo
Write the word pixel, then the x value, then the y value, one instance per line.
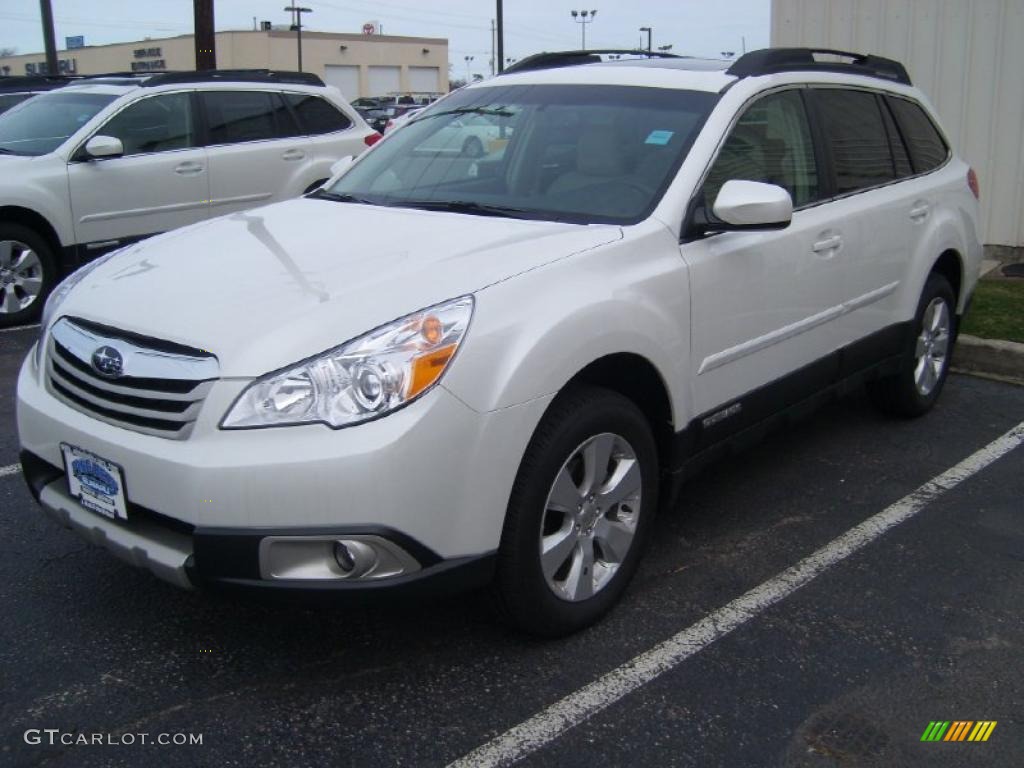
pixel 958 730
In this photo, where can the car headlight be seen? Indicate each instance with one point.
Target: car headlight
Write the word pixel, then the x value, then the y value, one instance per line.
pixel 363 379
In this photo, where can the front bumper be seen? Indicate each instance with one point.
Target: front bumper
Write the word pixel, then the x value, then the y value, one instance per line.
pixel 219 558
pixel 433 478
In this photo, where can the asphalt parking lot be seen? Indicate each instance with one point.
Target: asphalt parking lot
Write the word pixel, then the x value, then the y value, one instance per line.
pixel 924 623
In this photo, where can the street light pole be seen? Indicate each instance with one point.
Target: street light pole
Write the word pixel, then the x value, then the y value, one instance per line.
pixel 583 18
pixel 49 41
pixel 298 11
pixel 648 31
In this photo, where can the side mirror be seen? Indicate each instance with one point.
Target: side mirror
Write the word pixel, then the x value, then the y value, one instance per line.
pixel 104 146
pixel 751 205
pixel 338 167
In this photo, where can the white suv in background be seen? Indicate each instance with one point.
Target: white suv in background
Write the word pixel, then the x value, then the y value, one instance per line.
pixel 442 371
pixel 111 160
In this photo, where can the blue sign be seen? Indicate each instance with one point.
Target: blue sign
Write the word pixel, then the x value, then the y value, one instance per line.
pixel 78 41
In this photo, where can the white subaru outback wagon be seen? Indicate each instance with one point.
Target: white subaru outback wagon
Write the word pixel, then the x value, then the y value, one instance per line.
pixel 444 370
pixel 109 160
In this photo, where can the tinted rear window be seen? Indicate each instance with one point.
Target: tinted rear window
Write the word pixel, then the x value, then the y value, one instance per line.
pixel 927 149
pixel 855 134
pixel 240 116
pixel 316 115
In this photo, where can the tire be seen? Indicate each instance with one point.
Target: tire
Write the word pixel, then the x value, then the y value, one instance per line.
pixel 565 592
pixel 914 389
pixel 473 147
pixel 28 273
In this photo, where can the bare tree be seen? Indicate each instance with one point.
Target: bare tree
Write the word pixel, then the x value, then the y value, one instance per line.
pixel 7 52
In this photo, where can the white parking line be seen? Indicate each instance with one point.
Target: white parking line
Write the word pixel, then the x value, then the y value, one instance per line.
pixel 10 469
pixel 19 328
pixel 549 724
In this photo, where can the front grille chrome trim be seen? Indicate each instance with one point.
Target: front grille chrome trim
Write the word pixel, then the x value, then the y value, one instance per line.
pixel 160 393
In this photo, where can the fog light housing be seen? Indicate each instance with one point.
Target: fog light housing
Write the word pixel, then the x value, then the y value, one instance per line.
pixel 335 558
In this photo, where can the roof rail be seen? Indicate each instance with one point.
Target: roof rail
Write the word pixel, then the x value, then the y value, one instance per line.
pixel 233 76
pixel 20 82
pixel 771 60
pixel 554 59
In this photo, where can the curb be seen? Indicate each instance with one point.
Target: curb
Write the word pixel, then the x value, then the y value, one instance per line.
pixel 989 357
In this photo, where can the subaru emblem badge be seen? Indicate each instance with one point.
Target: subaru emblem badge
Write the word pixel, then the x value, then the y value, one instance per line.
pixel 108 362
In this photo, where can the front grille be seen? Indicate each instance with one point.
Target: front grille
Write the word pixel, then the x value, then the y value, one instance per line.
pixel 157 392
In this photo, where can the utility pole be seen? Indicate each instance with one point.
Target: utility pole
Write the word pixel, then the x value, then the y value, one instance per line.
pixel 648 31
pixel 298 11
pixel 492 47
pixel 204 38
pixel 501 38
pixel 581 18
pixel 48 38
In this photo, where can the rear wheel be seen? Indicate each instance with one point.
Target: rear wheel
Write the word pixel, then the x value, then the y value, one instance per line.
pixel 914 390
pixel 582 503
pixel 27 274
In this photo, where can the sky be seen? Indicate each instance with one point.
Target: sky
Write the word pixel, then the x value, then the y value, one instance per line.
pixel 692 27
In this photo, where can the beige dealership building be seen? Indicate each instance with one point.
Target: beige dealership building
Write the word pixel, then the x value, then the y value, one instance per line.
pixel 359 65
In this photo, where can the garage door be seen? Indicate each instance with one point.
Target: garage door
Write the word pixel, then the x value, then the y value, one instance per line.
pixel 344 78
pixel 423 80
pixel 385 81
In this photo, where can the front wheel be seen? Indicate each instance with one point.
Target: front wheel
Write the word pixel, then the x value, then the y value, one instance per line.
pixel 27 274
pixel 580 509
pixel 915 388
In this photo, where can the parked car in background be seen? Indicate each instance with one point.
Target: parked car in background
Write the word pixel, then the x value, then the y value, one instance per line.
pixel 378 117
pixel 443 371
pixel 401 120
pixel 14 90
pixel 110 160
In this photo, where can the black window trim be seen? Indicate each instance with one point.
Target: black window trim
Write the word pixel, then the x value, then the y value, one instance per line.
pixel 274 93
pixel 887 97
pixel 79 154
pixel 302 128
pixel 822 156
pixel 811 87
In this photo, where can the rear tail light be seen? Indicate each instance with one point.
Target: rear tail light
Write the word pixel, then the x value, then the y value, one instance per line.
pixel 972 182
pixel 372 138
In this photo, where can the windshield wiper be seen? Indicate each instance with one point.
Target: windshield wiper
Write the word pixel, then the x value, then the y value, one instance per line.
pixel 466 206
pixel 493 112
pixel 323 194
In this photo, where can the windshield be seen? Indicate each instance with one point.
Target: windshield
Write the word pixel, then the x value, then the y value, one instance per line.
pixel 41 124
pixel 576 153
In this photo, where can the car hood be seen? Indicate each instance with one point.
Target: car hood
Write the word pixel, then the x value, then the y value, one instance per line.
pixel 269 287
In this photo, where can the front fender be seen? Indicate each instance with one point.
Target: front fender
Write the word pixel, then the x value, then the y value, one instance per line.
pixel 530 335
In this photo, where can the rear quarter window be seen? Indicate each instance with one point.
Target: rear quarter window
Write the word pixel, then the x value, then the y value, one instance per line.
pixel 925 144
pixel 316 115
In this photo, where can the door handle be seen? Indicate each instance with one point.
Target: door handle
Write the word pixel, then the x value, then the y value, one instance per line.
pixel 188 168
pixel 919 212
pixel 827 244
pixel 293 154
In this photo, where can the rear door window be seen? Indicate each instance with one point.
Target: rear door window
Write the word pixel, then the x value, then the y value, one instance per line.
pixel 924 142
pixel 316 116
pixel 235 117
pixel 856 138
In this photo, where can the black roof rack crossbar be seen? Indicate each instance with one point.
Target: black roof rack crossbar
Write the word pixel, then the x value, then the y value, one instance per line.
pixel 233 76
pixel 772 60
pixel 554 59
pixel 39 82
